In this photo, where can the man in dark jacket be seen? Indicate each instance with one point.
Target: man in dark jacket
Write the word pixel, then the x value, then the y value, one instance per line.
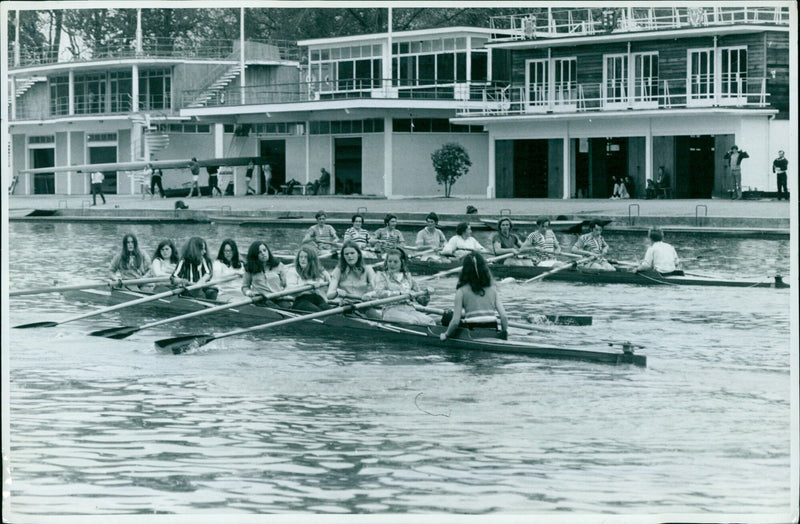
pixel 734 158
pixel 779 166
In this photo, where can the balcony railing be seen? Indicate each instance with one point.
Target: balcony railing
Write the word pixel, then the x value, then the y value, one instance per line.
pixel 592 21
pixel 647 94
pixel 163 47
pixel 358 88
pixel 102 104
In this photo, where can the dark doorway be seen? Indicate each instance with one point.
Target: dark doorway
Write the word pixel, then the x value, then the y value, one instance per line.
pixel 694 166
pixel 530 168
pixel 582 168
pixel 44 183
pixel 616 161
pixel 347 166
pixel 275 153
pixel 105 155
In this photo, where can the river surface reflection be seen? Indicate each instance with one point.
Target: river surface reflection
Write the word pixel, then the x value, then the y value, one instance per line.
pixel 277 423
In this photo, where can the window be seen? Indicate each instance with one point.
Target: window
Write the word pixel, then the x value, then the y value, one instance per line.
pixel 155 89
pixel 701 77
pixel 90 93
pixel 59 95
pixel 565 84
pixel 479 60
pixel 615 75
pixel 537 82
pixel 645 78
pixel 121 90
pixel 734 72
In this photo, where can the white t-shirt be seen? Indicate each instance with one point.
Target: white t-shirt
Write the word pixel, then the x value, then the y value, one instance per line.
pixel 661 257
pixel 98 177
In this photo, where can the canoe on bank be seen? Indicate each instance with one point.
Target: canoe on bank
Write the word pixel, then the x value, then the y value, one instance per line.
pixel 593 276
pixel 360 328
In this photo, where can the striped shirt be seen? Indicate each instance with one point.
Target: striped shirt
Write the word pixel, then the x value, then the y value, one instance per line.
pixel 546 241
pixel 358 236
pixel 589 242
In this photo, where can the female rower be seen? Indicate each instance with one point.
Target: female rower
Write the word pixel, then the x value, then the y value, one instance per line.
pixel 388 236
pixel 545 243
pixel 130 263
pixel 395 279
pixel 307 270
pixel 360 236
pixel 322 235
pixel 476 299
pixel 164 261
pixel 351 278
pixel 194 267
pixel 504 241
pixel 226 264
pixel 462 243
pixel 264 274
pixel 593 244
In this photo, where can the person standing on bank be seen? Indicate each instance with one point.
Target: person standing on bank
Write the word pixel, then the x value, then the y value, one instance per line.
pixel 97 186
pixel 213 181
pixel 734 158
pixel 248 177
pixel 194 167
pixel 155 180
pixel 780 165
pixel 324 182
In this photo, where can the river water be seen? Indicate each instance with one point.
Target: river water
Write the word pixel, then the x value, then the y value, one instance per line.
pixel 270 424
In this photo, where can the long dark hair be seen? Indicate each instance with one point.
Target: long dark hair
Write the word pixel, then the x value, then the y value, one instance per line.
pixel 235 262
pixel 359 266
pixel 194 257
pixel 476 273
pixel 126 256
pixel 173 257
pixel 253 264
pixel 313 270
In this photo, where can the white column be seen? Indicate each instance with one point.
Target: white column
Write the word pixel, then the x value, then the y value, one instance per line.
pixel 242 79
pixel 490 183
pixel 13 95
pixel 138 31
pixel 71 93
pixel 566 173
pixel 135 88
pixel 648 154
pixel 16 42
pixel 717 73
pixel 308 151
pixel 69 174
pixel 387 156
pixel 387 58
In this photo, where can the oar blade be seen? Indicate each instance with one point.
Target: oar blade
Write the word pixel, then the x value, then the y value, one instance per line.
pixel 37 325
pixel 118 332
pixel 183 343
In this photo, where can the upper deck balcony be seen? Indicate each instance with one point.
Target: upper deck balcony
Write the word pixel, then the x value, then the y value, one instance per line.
pixel 173 49
pixel 565 23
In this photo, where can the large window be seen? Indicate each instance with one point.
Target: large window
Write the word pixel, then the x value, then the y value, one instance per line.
pixel 630 80
pixel 433 62
pixel 701 77
pixel 346 68
pixel 565 81
pixel 734 72
pixel 155 89
pixel 59 95
pixel 90 93
pixel 615 80
pixel 645 78
pixel 121 89
pixel 537 83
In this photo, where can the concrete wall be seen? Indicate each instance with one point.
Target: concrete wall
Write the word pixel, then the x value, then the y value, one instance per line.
pixel 753 136
pixel 35 102
pixel 78 182
pixel 555 168
pixel 61 179
pixel 320 155
pixel 636 164
pixel 412 169
pixel 296 159
pixel 18 154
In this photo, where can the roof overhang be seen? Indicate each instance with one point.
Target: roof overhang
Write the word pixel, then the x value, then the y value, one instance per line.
pixel 128 62
pixel 401 36
pixel 599 115
pixel 668 34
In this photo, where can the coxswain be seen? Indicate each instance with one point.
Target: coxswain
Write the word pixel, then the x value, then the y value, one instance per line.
pixel 593 244
pixel 660 256
pixel 476 300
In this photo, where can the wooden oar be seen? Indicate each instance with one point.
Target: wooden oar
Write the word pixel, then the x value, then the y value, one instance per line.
pixel 148 298
pixel 519 325
pixel 180 344
pixel 560 268
pixel 458 267
pixel 88 285
pixel 120 332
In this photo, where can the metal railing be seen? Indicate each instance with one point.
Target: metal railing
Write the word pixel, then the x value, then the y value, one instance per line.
pixel 663 94
pixel 163 47
pixel 545 23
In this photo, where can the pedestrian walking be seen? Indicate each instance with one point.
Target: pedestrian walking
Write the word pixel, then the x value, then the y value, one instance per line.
pixel 155 180
pixel 734 158
pixel 213 181
pixel 780 165
pixel 194 167
pixel 97 186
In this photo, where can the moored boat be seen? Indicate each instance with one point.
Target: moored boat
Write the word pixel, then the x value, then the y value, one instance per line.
pixel 357 326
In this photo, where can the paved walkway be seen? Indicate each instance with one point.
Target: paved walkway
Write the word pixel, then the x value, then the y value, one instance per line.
pixel 744 209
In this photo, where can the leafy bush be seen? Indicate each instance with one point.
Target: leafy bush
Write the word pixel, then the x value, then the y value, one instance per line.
pixel 450 162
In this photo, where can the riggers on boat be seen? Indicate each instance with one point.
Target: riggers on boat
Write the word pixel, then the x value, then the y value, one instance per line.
pixel 594 276
pixel 357 326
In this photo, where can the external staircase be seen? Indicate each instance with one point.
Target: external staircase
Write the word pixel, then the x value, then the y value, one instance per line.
pixel 222 76
pixel 23 84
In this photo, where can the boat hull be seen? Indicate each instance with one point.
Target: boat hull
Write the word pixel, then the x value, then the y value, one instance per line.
pixel 355 326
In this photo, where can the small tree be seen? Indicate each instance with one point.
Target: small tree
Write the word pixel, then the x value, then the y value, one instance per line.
pixel 450 162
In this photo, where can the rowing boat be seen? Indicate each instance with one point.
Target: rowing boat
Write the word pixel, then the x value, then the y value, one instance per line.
pixel 563 226
pixel 594 276
pixel 364 329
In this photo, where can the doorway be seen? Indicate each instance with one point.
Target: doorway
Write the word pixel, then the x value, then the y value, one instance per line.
pixel 347 166
pixel 44 183
pixel 275 153
pixel 105 155
pixel 530 168
pixel 694 166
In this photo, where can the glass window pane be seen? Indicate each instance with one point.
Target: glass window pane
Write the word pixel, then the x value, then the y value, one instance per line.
pixel 427 71
pixel 479 62
pixel 445 68
pixel 401 125
pixel 461 67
